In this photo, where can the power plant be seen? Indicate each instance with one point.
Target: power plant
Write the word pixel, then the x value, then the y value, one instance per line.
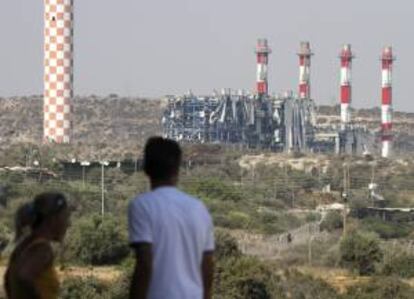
pixel 282 123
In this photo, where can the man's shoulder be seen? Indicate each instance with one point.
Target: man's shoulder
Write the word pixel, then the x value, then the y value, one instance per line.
pixel 190 199
pixel 140 200
pixel 197 205
pixel 149 198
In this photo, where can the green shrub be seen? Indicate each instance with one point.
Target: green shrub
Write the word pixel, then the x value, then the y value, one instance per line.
pixel 226 246
pixel 387 288
pixel 238 220
pixel 360 252
pixel 249 278
pixel 94 240
pixel 245 277
pixel 401 265
pixel 270 222
pixel 85 288
pixel 216 189
pixel 5 236
pixel 386 229
pixel 120 288
pixel 333 221
pixel 312 217
pixel 299 286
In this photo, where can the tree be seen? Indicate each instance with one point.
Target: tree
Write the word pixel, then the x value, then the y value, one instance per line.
pixel 361 252
pixel 226 246
pixel 95 240
pixel 332 221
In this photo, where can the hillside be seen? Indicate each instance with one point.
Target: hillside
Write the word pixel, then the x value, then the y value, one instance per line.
pixel 115 127
pixel 103 126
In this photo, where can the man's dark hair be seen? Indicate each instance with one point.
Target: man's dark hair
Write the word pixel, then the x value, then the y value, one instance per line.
pixel 162 158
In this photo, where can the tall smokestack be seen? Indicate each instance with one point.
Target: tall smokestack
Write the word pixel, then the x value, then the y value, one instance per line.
pixel 387 61
pixel 305 55
pixel 58 70
pixel 346 57
pixel 262 52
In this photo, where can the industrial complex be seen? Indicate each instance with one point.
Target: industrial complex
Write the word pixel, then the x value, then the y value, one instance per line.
pixel 286 122
pixel 283 123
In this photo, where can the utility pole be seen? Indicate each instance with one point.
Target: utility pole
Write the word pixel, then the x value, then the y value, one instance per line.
pixel 345 195
pixel 275 187
pixel 371 186
pixel 84 164
pixel 103 164
pixel 310 250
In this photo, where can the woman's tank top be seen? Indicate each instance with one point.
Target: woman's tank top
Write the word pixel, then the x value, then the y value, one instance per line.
pixel 46 284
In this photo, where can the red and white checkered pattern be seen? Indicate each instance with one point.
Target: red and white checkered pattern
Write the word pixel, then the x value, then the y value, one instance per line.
pixel 305 55
pixel 346 57
pixel 58 72
pixel 387 61
pixel 262 52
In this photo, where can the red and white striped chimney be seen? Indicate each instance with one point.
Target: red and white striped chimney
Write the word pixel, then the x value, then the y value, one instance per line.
pixel 262 52
pixel 346 57
pixel 58 70
pixel 387 61
pixel 305 55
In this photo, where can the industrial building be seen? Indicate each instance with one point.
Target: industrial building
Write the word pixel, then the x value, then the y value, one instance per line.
pixel 284 123
pixel 280 124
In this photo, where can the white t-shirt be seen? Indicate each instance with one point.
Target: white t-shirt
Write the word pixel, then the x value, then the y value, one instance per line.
pixel 180 230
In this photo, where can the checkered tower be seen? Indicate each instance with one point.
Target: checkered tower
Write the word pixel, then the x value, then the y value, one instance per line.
pixel 387 61
pixel 305 55
pixel 58 72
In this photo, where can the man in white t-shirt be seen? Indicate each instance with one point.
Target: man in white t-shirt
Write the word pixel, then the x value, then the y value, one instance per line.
pixel 170 231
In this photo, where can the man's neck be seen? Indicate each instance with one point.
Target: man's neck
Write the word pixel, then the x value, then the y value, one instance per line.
pixel 166 183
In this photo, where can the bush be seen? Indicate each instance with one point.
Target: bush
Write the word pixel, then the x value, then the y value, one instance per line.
pixel 85 288
pixel 238 220
pixel 226 246
pixel 381 288
pixel 385 229
pixel 120 289
pixel 245 277
pixel 401 265
pixel 300 286
pixel 94 240
pixel 361 252
pixel 249 278
pixel 5 237
pixel 312 217
pixel 215 188
pixel 333 221
pixel 275 223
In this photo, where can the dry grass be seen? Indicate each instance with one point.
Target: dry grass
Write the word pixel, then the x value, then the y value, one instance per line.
pixel 339 279
pixel 104 274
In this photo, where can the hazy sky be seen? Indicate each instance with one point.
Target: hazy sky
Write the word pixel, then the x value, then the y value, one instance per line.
pixel 158 47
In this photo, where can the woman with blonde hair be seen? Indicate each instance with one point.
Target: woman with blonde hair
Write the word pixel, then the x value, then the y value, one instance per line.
pixel 31 273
